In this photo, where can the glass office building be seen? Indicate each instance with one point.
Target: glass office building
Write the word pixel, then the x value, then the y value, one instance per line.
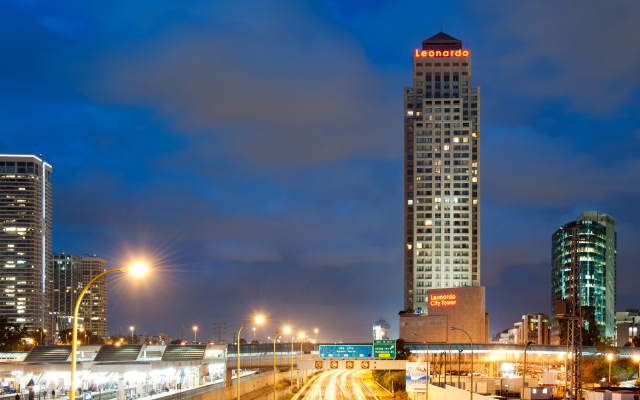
pixel 597 258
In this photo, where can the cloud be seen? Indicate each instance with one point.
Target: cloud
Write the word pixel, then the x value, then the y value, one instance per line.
pixel 530 168
pixel 278 87
pixel 557 51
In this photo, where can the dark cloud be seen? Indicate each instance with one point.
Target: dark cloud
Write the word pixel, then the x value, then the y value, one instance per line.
pixel 257 148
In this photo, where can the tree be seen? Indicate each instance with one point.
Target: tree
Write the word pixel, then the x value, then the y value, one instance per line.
pixel 402 350
pixel 176 341
pixel 84 336
pixel 590 331
pixel 636 341
pixel 121 339
pixel 606 346
pixel 242 341
pixel 11 336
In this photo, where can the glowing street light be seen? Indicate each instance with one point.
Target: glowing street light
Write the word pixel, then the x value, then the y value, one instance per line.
pixel 471 373
pixel 316 331
pixel 195 334
pixel 275 340
pixel 610 357
pixel 258 320
pixel 301 336
pixel 137 269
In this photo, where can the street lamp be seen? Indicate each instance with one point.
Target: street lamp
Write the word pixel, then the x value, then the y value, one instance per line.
pixel 610 357
pixel 471 369
pixel 426 358
pixel 301 336
pixel 137 270
pixel 195 334
pixel 316 331
pixel 275 339
pixel 258 320
pixel 524 365
pixel 131 329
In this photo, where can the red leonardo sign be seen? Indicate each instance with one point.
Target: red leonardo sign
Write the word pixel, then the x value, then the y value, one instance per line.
pixel 440 300
pixel 442 53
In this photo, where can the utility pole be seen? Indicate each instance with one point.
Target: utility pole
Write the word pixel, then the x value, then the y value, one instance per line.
pixel 219 329
pixel 570 309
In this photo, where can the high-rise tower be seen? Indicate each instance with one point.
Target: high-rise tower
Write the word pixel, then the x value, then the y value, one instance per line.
pixel 597 248
pixel 94 302
pixel 442 171
pixel 25 240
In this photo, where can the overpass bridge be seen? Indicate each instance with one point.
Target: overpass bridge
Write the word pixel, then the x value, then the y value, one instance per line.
pixel 441 355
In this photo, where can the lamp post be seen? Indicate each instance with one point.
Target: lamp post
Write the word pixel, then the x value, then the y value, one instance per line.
pixel 316 331
pixel 258 320
pixel 195 334
pixel 524 365
pixel 459 356
pixel 471 374
pixel 291 366
pixel 131 329
pixel 426 358
pixel 137 269
pixel 275 338
pixel 301 336
pixel 610 357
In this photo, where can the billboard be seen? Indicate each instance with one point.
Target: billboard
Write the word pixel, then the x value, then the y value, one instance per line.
pixel 416 376
pixel 346 351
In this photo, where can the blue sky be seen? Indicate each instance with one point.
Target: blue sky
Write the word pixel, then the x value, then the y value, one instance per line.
pixel 254 149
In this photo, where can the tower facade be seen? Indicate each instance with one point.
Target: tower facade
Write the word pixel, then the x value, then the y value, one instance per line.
pixel 25 240
pixel 442 171
pixel 67 281
pixel 597 250
pixel 94 302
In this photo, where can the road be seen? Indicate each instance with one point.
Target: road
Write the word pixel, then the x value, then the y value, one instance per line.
pixel 339 385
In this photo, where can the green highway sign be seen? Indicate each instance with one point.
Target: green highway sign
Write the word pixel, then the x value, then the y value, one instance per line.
pixel 384 348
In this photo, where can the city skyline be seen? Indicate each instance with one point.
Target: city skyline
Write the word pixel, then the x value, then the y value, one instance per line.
pixel 266 164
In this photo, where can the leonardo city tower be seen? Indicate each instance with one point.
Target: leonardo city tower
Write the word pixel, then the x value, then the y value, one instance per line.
pixel 442 171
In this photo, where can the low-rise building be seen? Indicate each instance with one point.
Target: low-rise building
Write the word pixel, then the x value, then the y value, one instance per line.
pixel 627 323
pixel 532 327
pixel 461 307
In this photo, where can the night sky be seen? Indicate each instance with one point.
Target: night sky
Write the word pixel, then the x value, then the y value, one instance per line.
pixel 253 149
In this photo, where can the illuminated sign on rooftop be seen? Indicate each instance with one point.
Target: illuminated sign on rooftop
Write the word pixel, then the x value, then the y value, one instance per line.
pixel 443 53
pixel 439 300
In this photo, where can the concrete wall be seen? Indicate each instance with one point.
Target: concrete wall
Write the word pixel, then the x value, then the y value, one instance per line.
pixel 229 393
pixel 467 313
pixel 447 393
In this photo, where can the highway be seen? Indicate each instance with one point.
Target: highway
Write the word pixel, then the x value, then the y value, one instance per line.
pixel 338 385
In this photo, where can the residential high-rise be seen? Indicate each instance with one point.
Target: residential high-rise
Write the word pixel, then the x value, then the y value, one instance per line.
pixel 94 302
pixel 25 240
pixel 597 249
pixel 442 171
pixel 67 284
